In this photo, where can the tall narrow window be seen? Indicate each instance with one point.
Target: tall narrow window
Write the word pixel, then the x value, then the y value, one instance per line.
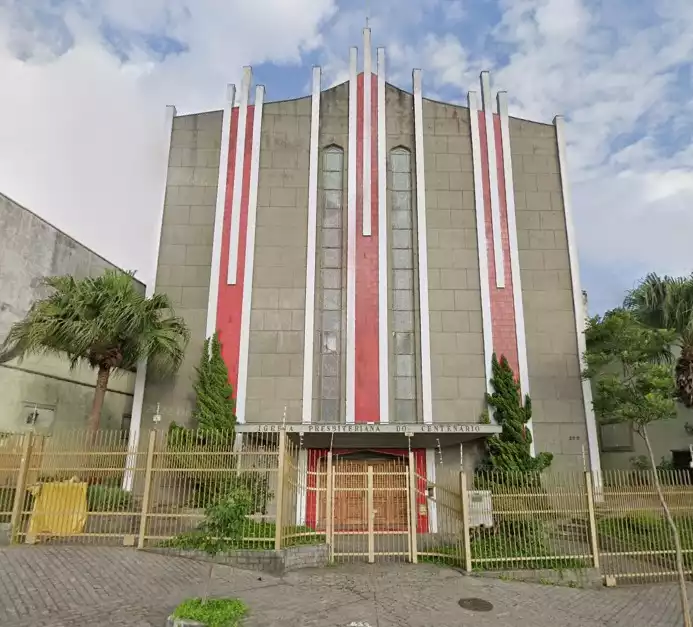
pixel 329 301
pixel 403 286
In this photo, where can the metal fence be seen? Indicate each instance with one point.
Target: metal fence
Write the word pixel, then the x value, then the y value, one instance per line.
pixel 222 491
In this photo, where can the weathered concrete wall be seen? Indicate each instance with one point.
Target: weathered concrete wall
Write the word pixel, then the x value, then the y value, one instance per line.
pixel 275 361
pixel 63 398
pixel 457 360
pixel 185 256
pixel 664 436
pixel 32 249
pixel 554 372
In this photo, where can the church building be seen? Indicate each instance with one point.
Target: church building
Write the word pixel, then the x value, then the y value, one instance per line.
pixel 363 251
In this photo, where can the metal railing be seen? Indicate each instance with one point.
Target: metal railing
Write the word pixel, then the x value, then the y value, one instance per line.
pixel 217 491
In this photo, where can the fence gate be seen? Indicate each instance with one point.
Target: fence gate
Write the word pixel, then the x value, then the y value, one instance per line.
pixel 368 507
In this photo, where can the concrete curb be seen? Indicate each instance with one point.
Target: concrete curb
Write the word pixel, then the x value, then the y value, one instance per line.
pixel 183 622
pixel 268 561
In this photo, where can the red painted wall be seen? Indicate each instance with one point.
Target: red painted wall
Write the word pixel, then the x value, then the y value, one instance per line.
pixel 230 301
pixel 367 401
pixel 502 306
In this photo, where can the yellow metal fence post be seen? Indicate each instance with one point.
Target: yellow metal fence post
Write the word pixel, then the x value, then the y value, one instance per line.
pixel 329 507
pixel 280 491
pixel 371 518
pixel 466 535
pixel 413 518
pixel 594 540
pixel 147 489
pixel 20 487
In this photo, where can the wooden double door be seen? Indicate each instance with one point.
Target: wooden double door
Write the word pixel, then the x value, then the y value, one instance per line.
pixel 362 485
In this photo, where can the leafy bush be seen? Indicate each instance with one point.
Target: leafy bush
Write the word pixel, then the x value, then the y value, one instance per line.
pixel 106 498
pixel 212 612
pixel 208 490
pixel 226 517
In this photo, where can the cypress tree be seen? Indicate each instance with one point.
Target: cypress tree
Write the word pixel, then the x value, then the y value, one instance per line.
pixel 214 407
pixel 509 451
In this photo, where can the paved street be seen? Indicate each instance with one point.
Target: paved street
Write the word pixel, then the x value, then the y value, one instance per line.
pixel 84 586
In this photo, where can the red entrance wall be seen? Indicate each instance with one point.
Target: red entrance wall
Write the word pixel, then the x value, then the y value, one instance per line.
pixel 315 455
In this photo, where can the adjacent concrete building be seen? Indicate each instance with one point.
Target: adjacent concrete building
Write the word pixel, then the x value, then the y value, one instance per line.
pixel 41 392
pixel 363 252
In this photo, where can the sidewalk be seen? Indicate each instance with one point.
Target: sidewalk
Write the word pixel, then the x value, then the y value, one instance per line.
pixel 86 586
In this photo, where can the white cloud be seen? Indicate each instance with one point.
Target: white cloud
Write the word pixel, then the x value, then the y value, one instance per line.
pixel 80 131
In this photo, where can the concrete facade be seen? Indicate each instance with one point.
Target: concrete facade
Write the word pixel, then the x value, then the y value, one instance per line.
pixel 32 249
pixel 185 254
pixel 457 348
pixel 275 361
pixel 481 192
pixel 552 354
pixel 620 446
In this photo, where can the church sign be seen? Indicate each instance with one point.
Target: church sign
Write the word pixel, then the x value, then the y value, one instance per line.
pixel 366 428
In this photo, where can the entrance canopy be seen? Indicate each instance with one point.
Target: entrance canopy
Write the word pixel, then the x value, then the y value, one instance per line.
pixel 381 435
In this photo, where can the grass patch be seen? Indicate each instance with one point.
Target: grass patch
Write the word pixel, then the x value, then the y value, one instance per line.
pixel 257 536
pixel 528 549
pixel 443 555
pixel 510 545
pixel 646 532
pixel 212 612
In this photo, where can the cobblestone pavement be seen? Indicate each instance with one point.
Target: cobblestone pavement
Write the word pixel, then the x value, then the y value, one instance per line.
pixel 73 586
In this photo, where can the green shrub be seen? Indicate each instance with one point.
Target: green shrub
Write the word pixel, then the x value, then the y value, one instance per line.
pixel 107 498
pixel 212 612
pixel 227 516
pixel 208 490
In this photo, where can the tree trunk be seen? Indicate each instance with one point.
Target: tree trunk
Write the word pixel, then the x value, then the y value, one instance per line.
pixel 99 395
pixel 684 376
pixel 685 609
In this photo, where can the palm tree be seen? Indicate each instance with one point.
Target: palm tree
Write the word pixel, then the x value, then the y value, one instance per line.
pixel 667 303
pixel 104 322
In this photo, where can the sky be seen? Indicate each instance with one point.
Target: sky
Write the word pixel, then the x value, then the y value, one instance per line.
pixel 85 83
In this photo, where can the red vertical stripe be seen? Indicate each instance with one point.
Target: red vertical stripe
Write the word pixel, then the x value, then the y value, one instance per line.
pixel 367 401
pixel 502 304
pixel 230 303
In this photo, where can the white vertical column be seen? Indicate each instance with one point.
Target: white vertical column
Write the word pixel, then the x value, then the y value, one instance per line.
pixel 431 500
pixel 222 179
pixel 309 325
pixel 367 143
pixel 514 252
pixel 302 485
pixel 234 235
pixel 578 305
pixel 150 281
pixel 493 178
pixel 351 243
pixel 383 331
pixel 486 319
pixel 425 335
pixel 247 304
